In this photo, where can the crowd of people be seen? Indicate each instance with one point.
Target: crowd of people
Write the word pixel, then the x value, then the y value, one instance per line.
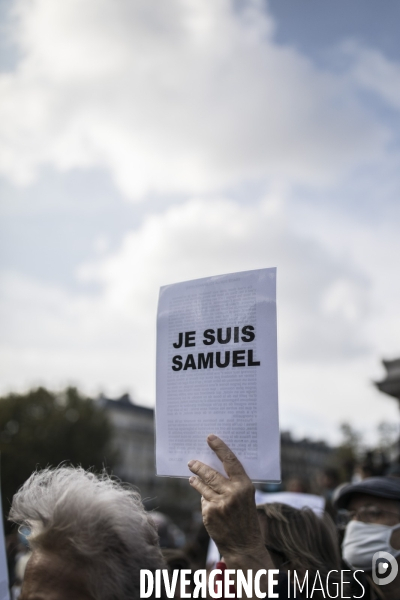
pixel 89 537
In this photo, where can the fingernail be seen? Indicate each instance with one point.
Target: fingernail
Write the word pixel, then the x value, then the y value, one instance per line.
pixel 212 437
pixel 191 479
pixel 191 463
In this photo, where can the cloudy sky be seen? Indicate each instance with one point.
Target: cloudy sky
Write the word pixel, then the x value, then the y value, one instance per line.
pixel 146 142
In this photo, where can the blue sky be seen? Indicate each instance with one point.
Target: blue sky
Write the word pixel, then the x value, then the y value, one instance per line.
pixel 142 146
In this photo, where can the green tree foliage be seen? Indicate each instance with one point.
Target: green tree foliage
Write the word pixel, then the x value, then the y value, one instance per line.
pixel 354 456
pixel 348 452
pixel 41 429
pixel 388 436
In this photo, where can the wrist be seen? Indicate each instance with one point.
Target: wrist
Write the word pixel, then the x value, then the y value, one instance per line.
pixel 255 557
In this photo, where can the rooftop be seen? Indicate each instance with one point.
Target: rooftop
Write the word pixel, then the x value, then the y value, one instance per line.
pixel 124 403
pixel 391 384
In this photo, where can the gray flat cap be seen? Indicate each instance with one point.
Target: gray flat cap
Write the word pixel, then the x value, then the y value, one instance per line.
pixel 381 487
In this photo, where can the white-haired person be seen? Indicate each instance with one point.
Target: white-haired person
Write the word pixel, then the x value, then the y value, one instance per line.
pixel 90 536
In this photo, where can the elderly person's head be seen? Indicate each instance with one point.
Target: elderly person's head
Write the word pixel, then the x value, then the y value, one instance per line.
pixel 372 510
pixel 90 536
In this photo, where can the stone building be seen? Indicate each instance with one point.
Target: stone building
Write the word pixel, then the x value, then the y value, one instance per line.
pixel 391 384
pixel 134 441
pixel 304 458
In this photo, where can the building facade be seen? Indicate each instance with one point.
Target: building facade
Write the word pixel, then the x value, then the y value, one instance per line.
pixel 303 459
pixel 391 384
pixel 134 442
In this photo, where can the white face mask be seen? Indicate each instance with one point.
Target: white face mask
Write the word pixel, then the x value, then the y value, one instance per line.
pixel 362 540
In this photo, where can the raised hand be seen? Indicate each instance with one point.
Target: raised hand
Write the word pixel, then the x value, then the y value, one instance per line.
pixel 229 509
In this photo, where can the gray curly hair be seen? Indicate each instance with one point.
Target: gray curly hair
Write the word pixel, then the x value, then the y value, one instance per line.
pixel 95 520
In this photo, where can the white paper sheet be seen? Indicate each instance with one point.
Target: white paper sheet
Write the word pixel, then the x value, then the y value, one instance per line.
pixel 237 402
pixel 295 499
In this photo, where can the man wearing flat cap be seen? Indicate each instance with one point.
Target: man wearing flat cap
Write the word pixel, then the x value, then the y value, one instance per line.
pixel 372 537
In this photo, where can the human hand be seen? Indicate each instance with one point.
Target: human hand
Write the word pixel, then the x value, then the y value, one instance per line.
pixel 228 506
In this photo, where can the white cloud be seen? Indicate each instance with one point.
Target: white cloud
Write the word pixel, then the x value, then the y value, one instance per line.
pixel 190 96
pixel 374 71
pixel 373 247
pixel 202 238
pixel 187 96
pixel 107 340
